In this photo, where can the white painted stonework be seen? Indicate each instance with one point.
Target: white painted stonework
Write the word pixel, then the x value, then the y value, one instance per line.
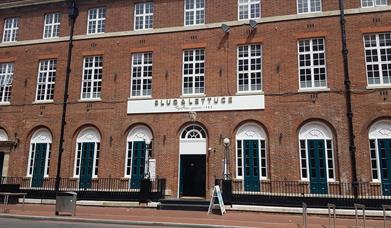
pixel 197 104
pixel 250 131
pixel 3 135
pixel 88 135
pixel 315 130
pixel 41 136
pixel 139 133
pixel 380 130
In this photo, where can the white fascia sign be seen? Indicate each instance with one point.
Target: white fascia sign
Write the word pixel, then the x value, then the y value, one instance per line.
pixel 197 104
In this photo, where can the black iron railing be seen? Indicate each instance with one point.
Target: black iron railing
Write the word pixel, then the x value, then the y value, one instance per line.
pixel 99 189
pixel 293 193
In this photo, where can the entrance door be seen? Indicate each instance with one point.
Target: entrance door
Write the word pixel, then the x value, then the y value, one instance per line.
pixel 87 165
pixel 385 165
pixel 39 165
pixel 1 165
pixel 251 165
pixel 317 167
pixel 138 163
pixel 193 175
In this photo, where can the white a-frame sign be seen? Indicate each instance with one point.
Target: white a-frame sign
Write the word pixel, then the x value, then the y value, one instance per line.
pixel 217 195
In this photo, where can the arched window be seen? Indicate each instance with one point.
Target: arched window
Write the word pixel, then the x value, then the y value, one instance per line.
pixel 193 132
pixel 3 135
pixel 193 140
pixel 251 158
pixel 136 149
pixel 39 158
pixel 87 156
pixel 316 156
pixel 380 154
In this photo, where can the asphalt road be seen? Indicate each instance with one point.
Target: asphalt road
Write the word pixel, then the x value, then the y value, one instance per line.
pixel 27 223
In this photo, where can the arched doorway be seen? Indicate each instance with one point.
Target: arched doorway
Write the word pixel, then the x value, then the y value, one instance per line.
pixel 87 156
pixel 39 158
pixel 251 159
pixel 316 156
pixel 138 148
pixel 380 151
pixel 192 162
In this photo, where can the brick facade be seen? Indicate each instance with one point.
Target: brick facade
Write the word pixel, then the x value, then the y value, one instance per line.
pixel 286 109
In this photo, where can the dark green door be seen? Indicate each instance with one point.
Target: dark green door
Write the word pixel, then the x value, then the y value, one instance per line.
pixel 87 165
pixel 1 165
pixel 138 164
pixel 385 165
pixel 251 165
pixel 39 164
pixel 317 166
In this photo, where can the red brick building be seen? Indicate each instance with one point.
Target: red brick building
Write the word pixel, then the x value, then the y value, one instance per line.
pixel 184 75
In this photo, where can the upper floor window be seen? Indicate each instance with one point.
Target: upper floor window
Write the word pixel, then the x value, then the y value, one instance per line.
pixel 378 58
pixel 194 72
pixel 142 74
pixel 194 12
pixel 52 25
pixel 11 29
pixel 96 20
pixel 249 9
pixel 309 6
pixel 250 68
pixel 373 3
pixel 312 63
pixel 143 15
pixel 6 75
pixel 92 78
pixel 46 80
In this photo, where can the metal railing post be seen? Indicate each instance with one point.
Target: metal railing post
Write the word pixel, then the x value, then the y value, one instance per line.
pixel 385 208
pixel 305 225
pixel 362 208
pixel 331 208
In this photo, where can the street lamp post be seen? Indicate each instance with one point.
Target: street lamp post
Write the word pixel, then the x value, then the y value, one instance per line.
pixel 146 171
pixel 227 182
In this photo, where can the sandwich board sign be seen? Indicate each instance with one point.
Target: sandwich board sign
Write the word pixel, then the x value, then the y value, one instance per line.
pixel 217 195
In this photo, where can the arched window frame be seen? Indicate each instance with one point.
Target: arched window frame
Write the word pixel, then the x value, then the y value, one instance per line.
pixel 42 135
pixel 379 130
pixel 316 131
pixel 251 131
pixel 3 135
pixel 87 135
pixel 139 133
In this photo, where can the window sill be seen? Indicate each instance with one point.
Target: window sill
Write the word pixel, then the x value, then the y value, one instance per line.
pixel 140 98
pixel 192 95
pixel 250 93
pixel 312 90
pixel 309 12
pixel 43 102
pixel 90 100
pixel 51 38
pixel 375 183
pixel 379 87
pixel 5 103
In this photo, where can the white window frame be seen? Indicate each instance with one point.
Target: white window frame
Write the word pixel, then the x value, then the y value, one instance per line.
pixel 10 34
pixel 249 71
pixel 100 22
pixel 248 5
pixel 7 76
pixel 141 67
pixel 51 70
pixel 137 134
pixel 251 131
pixel 90 93
pixel 144 15
pixel 194 75
pixel 374 3
pixel 40 136
pixel 87 135
pixel 316 131
pixel 378 63
pixel 312 66
pixel 52 29
pixel 309 3
pixel 194 10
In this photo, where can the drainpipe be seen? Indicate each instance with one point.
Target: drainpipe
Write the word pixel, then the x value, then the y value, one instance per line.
pixel 352 147
pixel 73 13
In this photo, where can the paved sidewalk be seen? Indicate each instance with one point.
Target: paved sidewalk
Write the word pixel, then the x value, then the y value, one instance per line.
pixel 140 216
